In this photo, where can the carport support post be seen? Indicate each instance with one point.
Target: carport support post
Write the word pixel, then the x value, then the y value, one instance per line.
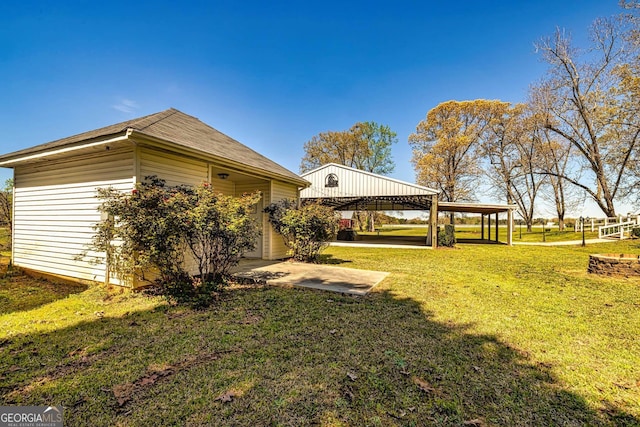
pixel 433 221
pixel 481 226
pixel 510 227
pixel 497 227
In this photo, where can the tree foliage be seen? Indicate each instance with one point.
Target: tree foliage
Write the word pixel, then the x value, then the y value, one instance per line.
pixel 306 229
pixel 446 151
pixel 219 229
pixel 156 228
pixel 365 146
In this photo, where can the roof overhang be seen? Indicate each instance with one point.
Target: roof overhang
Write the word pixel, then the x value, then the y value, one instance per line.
pixel 127 138
pixel 93 145
pixel 399 203
pixel 140 138
pixel 480 208
pixel 376 203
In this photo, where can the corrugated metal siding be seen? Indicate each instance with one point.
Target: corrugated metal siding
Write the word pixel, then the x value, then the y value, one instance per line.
pixel 56 209
pixel 175 170
pixel 280 191
pixel 355 183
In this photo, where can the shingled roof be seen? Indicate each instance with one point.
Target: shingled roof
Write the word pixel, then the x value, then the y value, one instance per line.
pixel 176 127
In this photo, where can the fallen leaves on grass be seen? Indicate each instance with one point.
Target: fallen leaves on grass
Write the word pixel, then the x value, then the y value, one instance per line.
pixel 352 376
pixel 226 397
pixel 250 319
pixel 423 385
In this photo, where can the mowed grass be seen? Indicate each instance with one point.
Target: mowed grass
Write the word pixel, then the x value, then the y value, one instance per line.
pixel 487 335
pixel 520 234
pixel 5 249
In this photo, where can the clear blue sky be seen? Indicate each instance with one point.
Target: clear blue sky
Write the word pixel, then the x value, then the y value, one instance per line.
pixel 269 74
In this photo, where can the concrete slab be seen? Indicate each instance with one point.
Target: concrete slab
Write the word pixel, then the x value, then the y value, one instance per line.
pixel 387 242
pixel 315 276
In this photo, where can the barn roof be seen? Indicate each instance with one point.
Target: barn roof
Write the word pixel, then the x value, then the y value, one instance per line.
pixel 346 188
pixel 171 126
pixel 355 189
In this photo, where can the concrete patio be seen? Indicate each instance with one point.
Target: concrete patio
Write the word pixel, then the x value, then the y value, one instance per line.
pixel 316 276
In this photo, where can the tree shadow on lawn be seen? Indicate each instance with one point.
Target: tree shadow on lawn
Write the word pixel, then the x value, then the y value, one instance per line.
pixel 268 355
pixel 20 292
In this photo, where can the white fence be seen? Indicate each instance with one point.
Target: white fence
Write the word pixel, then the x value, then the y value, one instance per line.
pixel 595 223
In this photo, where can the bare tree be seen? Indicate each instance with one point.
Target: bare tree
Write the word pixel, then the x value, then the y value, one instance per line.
pixel 6 207
pixel 582 101
pixel 510 144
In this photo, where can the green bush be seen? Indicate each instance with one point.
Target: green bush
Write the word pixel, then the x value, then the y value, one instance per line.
pixel 447 236
pixel 151 229
pixel 635 232
pixel 306 229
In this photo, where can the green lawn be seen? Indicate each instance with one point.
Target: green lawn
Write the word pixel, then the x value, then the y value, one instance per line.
pixel 474 232
pixel 5 249
pixel 488 335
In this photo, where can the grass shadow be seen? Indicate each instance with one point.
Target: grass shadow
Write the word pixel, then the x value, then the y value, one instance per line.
pixel 331 260
pixel 267 356
pixel 19 292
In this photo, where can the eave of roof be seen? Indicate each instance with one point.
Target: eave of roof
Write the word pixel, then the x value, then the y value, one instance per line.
pixel 481 208
pixel 179 130
pixel 373 175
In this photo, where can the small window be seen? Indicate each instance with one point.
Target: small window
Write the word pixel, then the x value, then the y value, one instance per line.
pixel 331 180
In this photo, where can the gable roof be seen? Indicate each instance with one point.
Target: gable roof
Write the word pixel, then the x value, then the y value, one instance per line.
pixel 359 183
pixel 346 188
pixel 179 129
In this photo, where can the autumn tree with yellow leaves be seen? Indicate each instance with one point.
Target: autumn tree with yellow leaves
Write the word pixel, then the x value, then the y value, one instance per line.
pixel 446 152
pixel 512 158
pixel 365 146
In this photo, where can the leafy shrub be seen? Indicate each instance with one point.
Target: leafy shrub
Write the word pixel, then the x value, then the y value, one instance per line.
pixel 447 236
pixel 635 232
pixel 219 229
pixel 305 229
pixel 152 228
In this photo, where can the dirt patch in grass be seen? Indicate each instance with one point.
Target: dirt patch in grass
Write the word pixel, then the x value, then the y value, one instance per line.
pixel 125 393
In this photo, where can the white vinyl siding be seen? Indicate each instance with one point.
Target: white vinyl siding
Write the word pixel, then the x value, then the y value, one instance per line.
pixel 56 208
pixel 175 170
pixel 280 191
pixel 224 186
pixel 263 224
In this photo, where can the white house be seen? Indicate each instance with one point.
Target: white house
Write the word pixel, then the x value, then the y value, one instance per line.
pixel 55 204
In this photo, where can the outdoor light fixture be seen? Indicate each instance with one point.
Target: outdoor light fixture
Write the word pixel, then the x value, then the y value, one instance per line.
pixel 582 220
pixel 223 175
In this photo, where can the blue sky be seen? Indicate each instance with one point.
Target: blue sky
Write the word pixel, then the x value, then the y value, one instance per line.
pixel 269 74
